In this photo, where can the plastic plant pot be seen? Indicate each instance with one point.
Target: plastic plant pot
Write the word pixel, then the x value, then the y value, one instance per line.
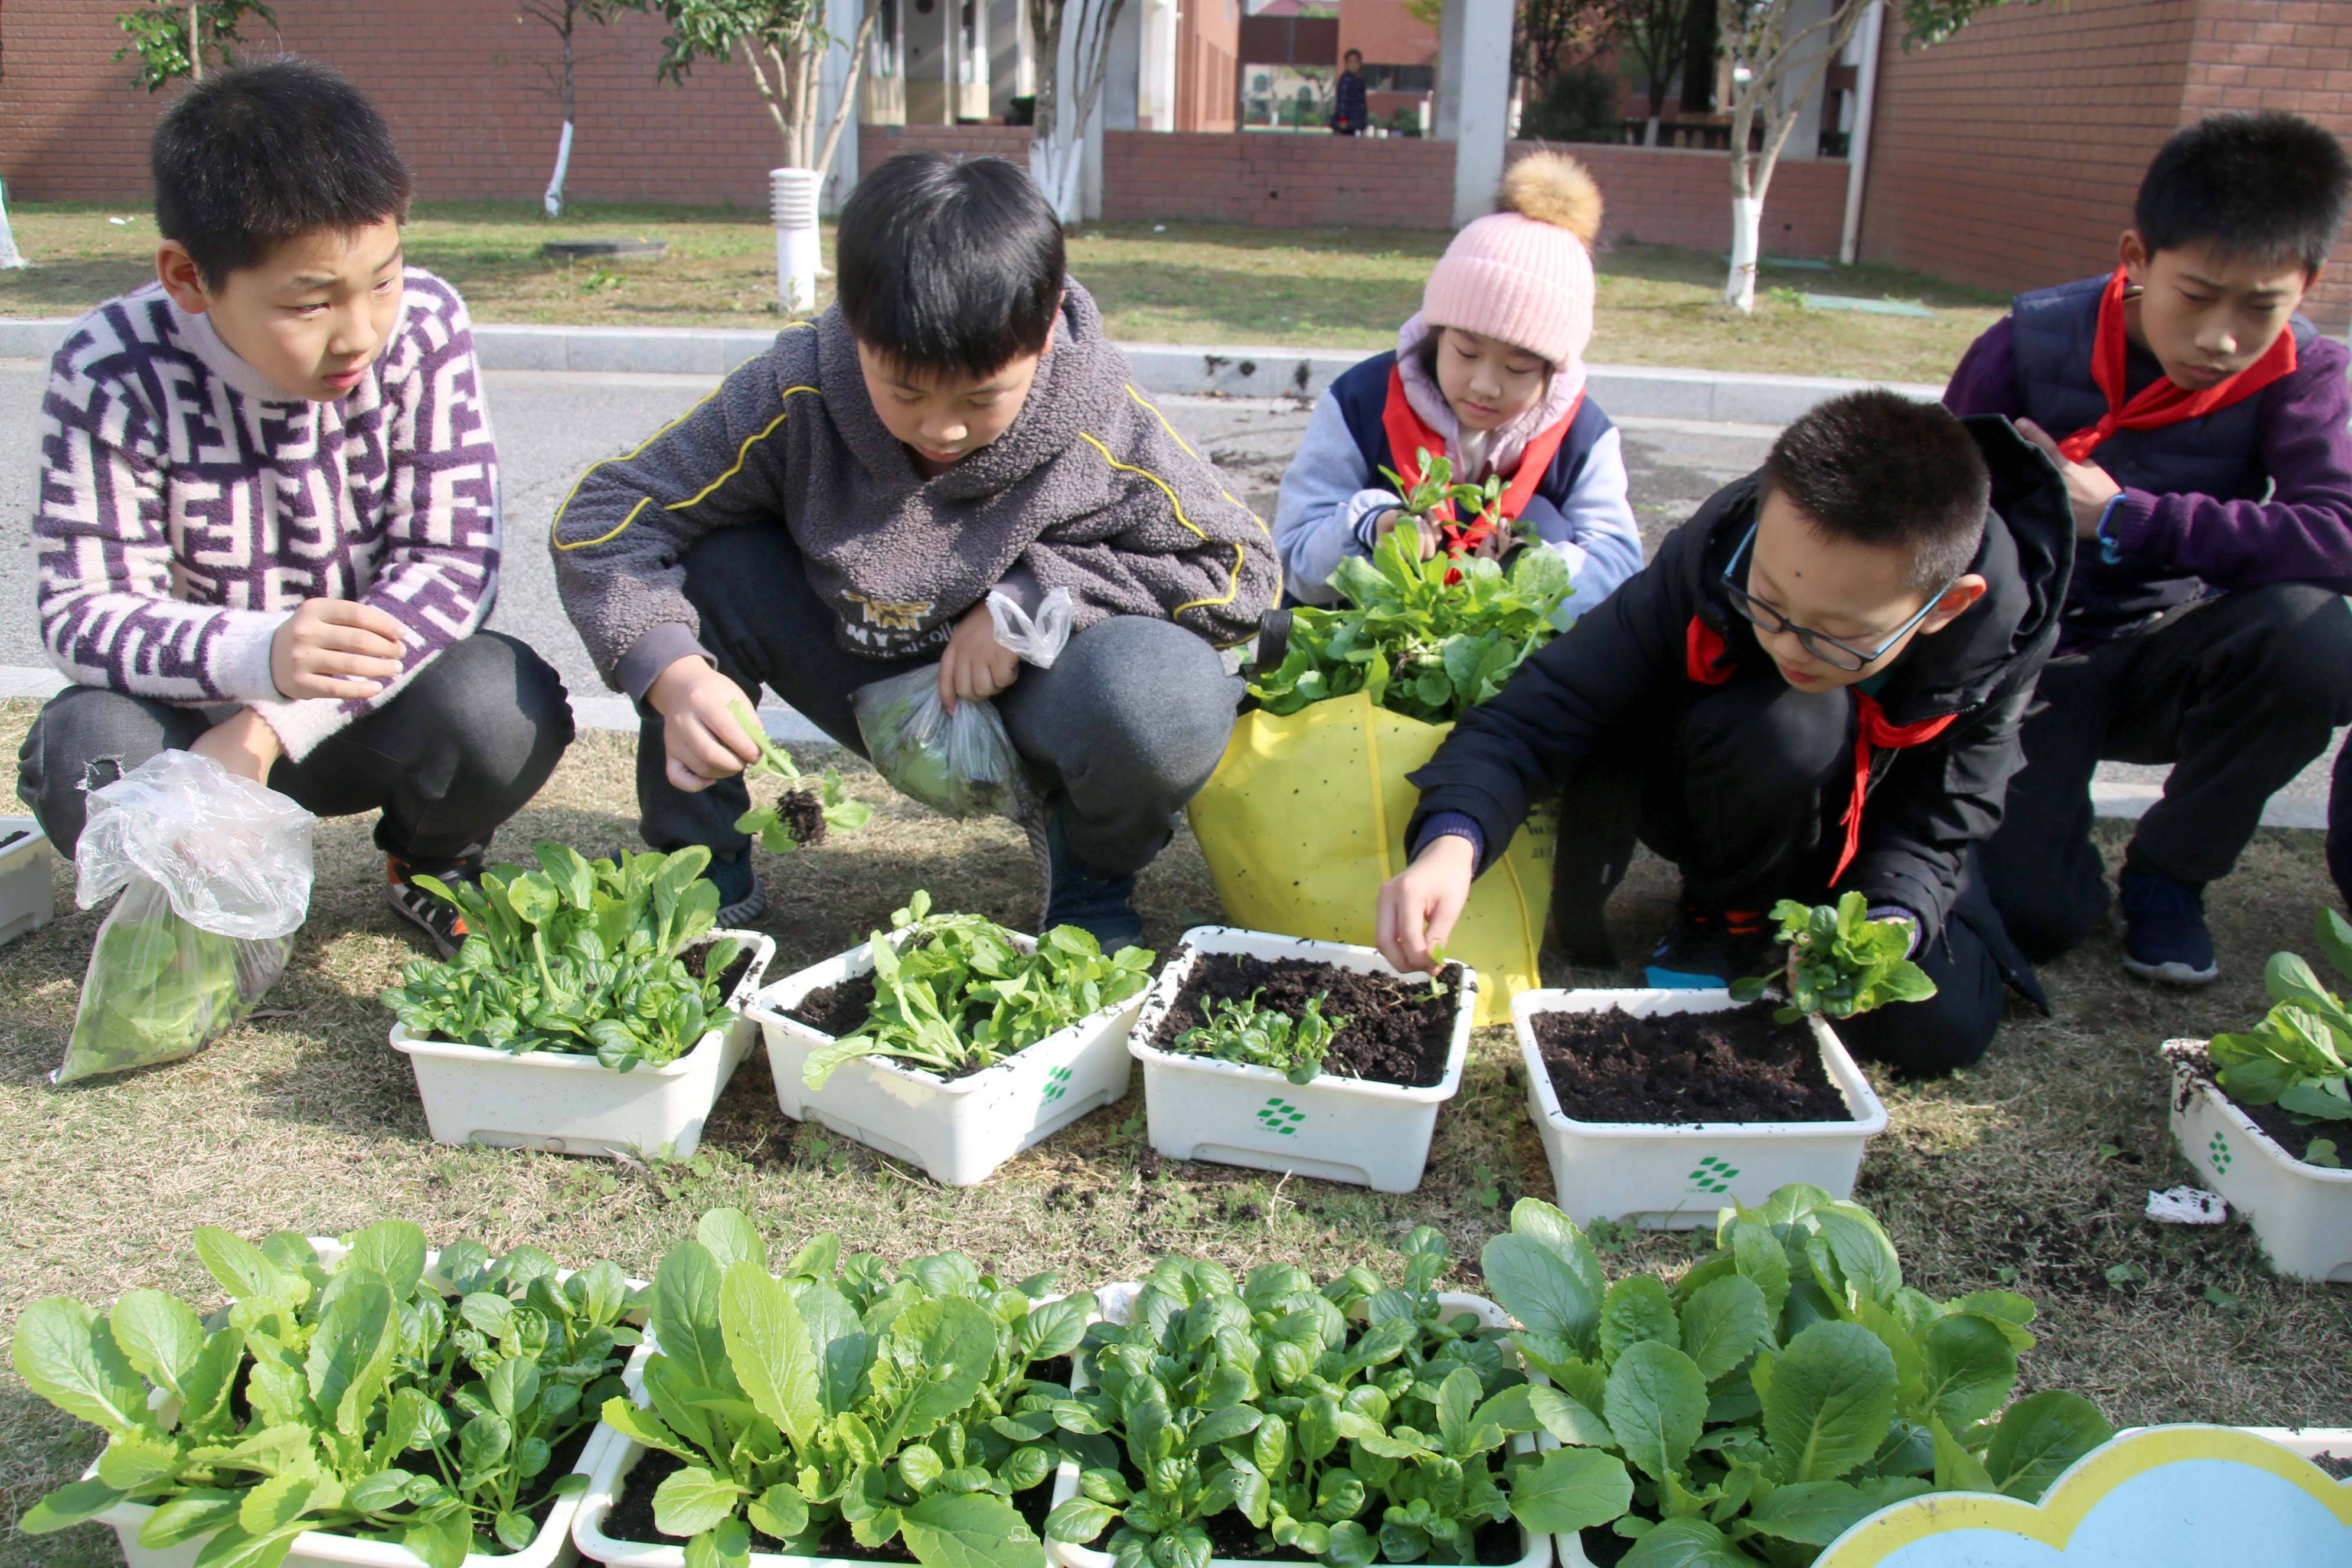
pixel 27 897
pixel 551 1547
pixel 1338 1129
pixel 565 1104
pixel 2301 1214
pixel 1115 1301
pixel 958 1129
pixel 1663 1176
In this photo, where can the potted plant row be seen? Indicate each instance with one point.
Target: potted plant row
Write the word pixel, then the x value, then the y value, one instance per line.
pixel 2265 1117
pixel 952 1043
pixel 364 1403
pixel 1315 1058
pixel 1657 1108
pixel 591 1010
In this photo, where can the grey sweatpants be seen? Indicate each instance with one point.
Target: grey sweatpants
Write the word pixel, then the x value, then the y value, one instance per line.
pixel 1122 731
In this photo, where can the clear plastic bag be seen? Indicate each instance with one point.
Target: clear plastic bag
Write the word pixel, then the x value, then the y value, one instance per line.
pixel 215 876
pixel 962 763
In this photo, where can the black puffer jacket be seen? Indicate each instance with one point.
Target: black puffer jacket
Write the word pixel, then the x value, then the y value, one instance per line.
pixel 1926 804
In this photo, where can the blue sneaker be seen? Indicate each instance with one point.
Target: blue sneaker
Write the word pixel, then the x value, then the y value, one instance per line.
pixel 1076 894
pixel 1707 949
pixel 2165 937
pixel 740 899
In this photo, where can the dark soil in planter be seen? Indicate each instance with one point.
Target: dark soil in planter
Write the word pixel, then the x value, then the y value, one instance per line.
pixel 836 1010
pixel 696 957
pixel 632 1517
pixel 2284 1128
pixel 1684 1067
pixel 1604 1548
pixel 1397 1031
pixel 12 836
pixel 2339 1467
pixel 1233 1536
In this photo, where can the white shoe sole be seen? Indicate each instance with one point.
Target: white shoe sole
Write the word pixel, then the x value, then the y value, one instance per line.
pixel 2173 973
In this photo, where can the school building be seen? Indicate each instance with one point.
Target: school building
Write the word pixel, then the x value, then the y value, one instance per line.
pixel 2006 157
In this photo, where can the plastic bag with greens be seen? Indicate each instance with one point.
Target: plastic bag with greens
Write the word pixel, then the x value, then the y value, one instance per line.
pixel 214 871
pixel 962 763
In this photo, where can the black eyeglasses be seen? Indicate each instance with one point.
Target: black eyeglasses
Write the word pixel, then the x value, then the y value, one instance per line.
pixel 1821 645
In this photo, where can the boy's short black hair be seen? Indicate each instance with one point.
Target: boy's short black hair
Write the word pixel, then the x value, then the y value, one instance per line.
pixel 2271 186
pixel 252 157
pixel 949 264
pixel 1878 468
pixel 1351 55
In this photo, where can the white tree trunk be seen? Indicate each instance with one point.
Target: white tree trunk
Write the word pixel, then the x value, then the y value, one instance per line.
pixel 1747 231
pixel 9 255
pixel 554 200
pixel 1056 162
pixel 1068 91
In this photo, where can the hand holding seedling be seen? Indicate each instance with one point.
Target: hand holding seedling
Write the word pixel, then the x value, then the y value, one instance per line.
pixel 1840 962
pixel 701 739
pixel 1418 907
pixel 801 815
pixel 1394 519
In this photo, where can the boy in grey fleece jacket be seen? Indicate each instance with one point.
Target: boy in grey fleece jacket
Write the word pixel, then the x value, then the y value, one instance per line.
pixel 840 509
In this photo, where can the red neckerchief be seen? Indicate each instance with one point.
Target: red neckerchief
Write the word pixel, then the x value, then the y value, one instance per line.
pixel 1408 436
pixel 2163 401
pixel 1705 662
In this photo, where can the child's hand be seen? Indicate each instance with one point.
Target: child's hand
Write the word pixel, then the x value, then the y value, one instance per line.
pixel 2088 486
pixel 975 665
pixel 701 742
pixel 1418 908
pixel 242 742
pixel 334 647
pixel 1388 524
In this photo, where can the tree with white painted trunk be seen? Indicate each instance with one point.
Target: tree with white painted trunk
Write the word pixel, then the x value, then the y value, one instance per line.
pixel 565 18
pixel 10 257
pixel 1073 55
pixel 1784 48
pixel 783 43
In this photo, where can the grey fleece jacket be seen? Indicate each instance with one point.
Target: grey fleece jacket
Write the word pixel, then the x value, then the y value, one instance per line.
pixel 1088 489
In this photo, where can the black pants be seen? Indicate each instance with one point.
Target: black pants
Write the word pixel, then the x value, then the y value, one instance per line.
pixel 1744 788
pixel 2239 693
pixel 462 748
pixel 1125 728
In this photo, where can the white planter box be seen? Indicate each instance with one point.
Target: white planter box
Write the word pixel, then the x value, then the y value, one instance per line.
pixel 1668 1177
pixel 2301 1214
pixel 551 1547
pixel 575 1105
pixel 1340 1129
pixel 1115 1301
pixel 959 1130
pixel 27 897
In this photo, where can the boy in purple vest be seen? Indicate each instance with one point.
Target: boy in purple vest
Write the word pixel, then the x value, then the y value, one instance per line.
pixel 268 505
pixel 2200 424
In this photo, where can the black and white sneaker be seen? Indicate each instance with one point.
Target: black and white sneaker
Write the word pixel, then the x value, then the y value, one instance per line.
pixel 741 899
pixel 433 915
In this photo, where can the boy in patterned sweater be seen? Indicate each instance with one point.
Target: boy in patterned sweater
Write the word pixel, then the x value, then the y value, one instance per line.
pixel 268 505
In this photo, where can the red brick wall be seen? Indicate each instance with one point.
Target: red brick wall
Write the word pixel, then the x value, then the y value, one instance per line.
pixel 1671 195
pixel 2009 156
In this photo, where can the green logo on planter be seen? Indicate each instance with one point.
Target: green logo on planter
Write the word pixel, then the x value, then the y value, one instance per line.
pixel 2217 1149
pixel 1713 1175
pixel 1057 1084
pixel 1280 1116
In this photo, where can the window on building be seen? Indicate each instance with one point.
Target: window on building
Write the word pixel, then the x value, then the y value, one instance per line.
pixel 1400 79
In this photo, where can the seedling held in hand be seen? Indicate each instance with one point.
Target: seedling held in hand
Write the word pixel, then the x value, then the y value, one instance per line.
pixel 801 815
pixel 1840 962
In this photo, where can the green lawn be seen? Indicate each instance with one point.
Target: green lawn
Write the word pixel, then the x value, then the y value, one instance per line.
pixel 2028 1171
pixel 1315 288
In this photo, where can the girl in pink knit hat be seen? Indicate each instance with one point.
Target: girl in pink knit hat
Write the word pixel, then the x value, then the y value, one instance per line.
pixel 1491 375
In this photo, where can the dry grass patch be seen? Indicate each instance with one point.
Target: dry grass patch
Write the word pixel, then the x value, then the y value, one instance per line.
pixel 2030 1170
pixel 1346 288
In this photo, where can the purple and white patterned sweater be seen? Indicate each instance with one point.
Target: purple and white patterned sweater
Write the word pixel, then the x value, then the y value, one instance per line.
pixel 188 505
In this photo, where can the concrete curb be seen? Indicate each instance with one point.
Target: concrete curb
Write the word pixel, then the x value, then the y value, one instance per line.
pixel 2109 798
pixel 1231 370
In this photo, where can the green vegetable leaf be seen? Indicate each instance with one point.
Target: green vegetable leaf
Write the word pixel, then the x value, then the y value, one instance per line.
pixel 2038 1438
pixel 693 1500
pixel 1571 1489
pixel 1830 1402
pixel 1656 1406
pixel 65 1354
pixel 769 1349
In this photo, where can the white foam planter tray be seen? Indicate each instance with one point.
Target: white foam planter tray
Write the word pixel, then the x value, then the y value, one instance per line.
pixel 1663 1176
pixel 1340 1129
pixel 959 1129
pixel 551 1547
pixel 27 896
pixel 2301 1214
pixel 575 1105
pixel 1115 1301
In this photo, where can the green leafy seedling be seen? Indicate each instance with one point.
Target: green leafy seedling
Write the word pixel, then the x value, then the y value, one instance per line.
pixel 1840 962
pixel 1241 1031
pixel 801 814
pixel 2297 1057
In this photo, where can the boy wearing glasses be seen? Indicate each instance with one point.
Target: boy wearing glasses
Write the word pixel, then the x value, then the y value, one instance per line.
pixel 2199 424
pixel 1816 686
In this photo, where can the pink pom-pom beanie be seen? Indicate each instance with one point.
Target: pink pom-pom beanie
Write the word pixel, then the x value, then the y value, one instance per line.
pixel 1523 274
